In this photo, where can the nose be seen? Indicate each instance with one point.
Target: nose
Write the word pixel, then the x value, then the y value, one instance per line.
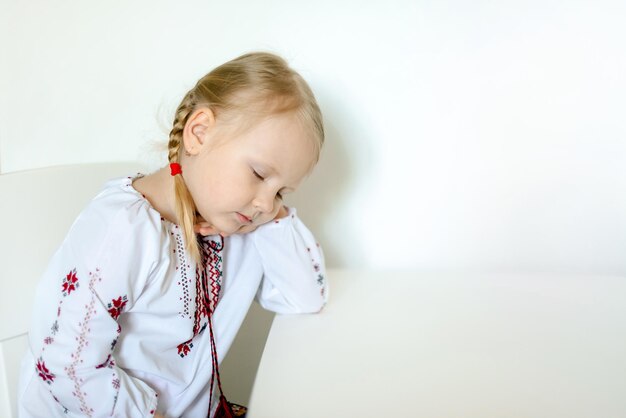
pixel 264 202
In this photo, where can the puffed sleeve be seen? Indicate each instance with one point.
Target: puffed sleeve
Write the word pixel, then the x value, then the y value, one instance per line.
pixel 293 267
pixel 95 277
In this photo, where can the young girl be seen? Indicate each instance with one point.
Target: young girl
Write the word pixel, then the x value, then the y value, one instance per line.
pixel 157 265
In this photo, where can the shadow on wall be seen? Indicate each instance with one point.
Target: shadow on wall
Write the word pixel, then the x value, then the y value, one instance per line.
pixel 321 196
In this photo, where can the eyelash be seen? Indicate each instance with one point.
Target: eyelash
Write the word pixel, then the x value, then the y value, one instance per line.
pixel 260 177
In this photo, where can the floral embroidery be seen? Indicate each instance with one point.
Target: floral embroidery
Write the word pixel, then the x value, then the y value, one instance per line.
pixel 109 362
pixel 43 371
pixel 70 283
pixel 82 343
pixel 116 306
pixel 184 348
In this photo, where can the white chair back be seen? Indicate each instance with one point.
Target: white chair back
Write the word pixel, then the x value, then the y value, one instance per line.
pixel 37 208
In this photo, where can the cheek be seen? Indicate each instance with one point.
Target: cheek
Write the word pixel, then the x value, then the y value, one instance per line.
pixel 233 187
pixel 225 187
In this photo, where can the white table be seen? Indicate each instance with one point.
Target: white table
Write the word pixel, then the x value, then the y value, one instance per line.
pixel 393 344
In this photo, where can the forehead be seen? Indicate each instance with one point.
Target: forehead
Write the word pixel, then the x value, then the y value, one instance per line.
pixel 284 143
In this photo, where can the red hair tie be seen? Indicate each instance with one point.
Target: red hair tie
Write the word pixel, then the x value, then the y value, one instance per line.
pixel 175 168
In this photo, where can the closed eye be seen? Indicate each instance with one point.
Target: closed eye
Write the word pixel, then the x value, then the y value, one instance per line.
pixel 257 175
pixel 279 195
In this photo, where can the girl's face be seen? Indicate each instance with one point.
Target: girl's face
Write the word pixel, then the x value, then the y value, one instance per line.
pixel 239 182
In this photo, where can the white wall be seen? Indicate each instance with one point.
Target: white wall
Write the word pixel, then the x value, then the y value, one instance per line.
pixel 481 135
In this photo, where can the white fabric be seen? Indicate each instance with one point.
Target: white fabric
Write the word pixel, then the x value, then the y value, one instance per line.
pixel 135 290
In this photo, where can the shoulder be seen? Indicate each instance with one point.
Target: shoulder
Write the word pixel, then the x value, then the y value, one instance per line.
pixel 117 217
pixel 118 203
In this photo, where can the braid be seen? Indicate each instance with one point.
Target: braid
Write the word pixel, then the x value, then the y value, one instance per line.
pixel 176 134
pixel 185 207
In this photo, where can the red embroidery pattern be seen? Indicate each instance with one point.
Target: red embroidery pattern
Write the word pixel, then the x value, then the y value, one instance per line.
pixel 208 286
pixel 208 280
pixel 109 362
pixel 116 306
pixel 43 372
pixel 184 348
pixel 214 264
pixel 82 343
pixel 70 283
pixel 320 276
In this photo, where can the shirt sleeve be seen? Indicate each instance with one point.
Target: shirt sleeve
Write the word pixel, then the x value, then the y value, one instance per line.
pixel 294 274
pixel 93 279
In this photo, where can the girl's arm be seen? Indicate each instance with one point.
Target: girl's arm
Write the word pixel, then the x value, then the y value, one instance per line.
pixel 94 278
pixel 293 266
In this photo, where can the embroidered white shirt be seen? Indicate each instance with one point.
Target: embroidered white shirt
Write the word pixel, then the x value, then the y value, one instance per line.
pixel 118 327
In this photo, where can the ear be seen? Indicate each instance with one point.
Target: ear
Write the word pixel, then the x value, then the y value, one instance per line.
pixel 200 124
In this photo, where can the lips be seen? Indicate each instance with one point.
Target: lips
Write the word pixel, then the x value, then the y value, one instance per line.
pixel 244 219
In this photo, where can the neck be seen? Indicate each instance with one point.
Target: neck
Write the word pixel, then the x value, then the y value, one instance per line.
pixel 158 189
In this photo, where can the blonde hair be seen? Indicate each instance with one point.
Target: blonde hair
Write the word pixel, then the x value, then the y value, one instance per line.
pixel 254 86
